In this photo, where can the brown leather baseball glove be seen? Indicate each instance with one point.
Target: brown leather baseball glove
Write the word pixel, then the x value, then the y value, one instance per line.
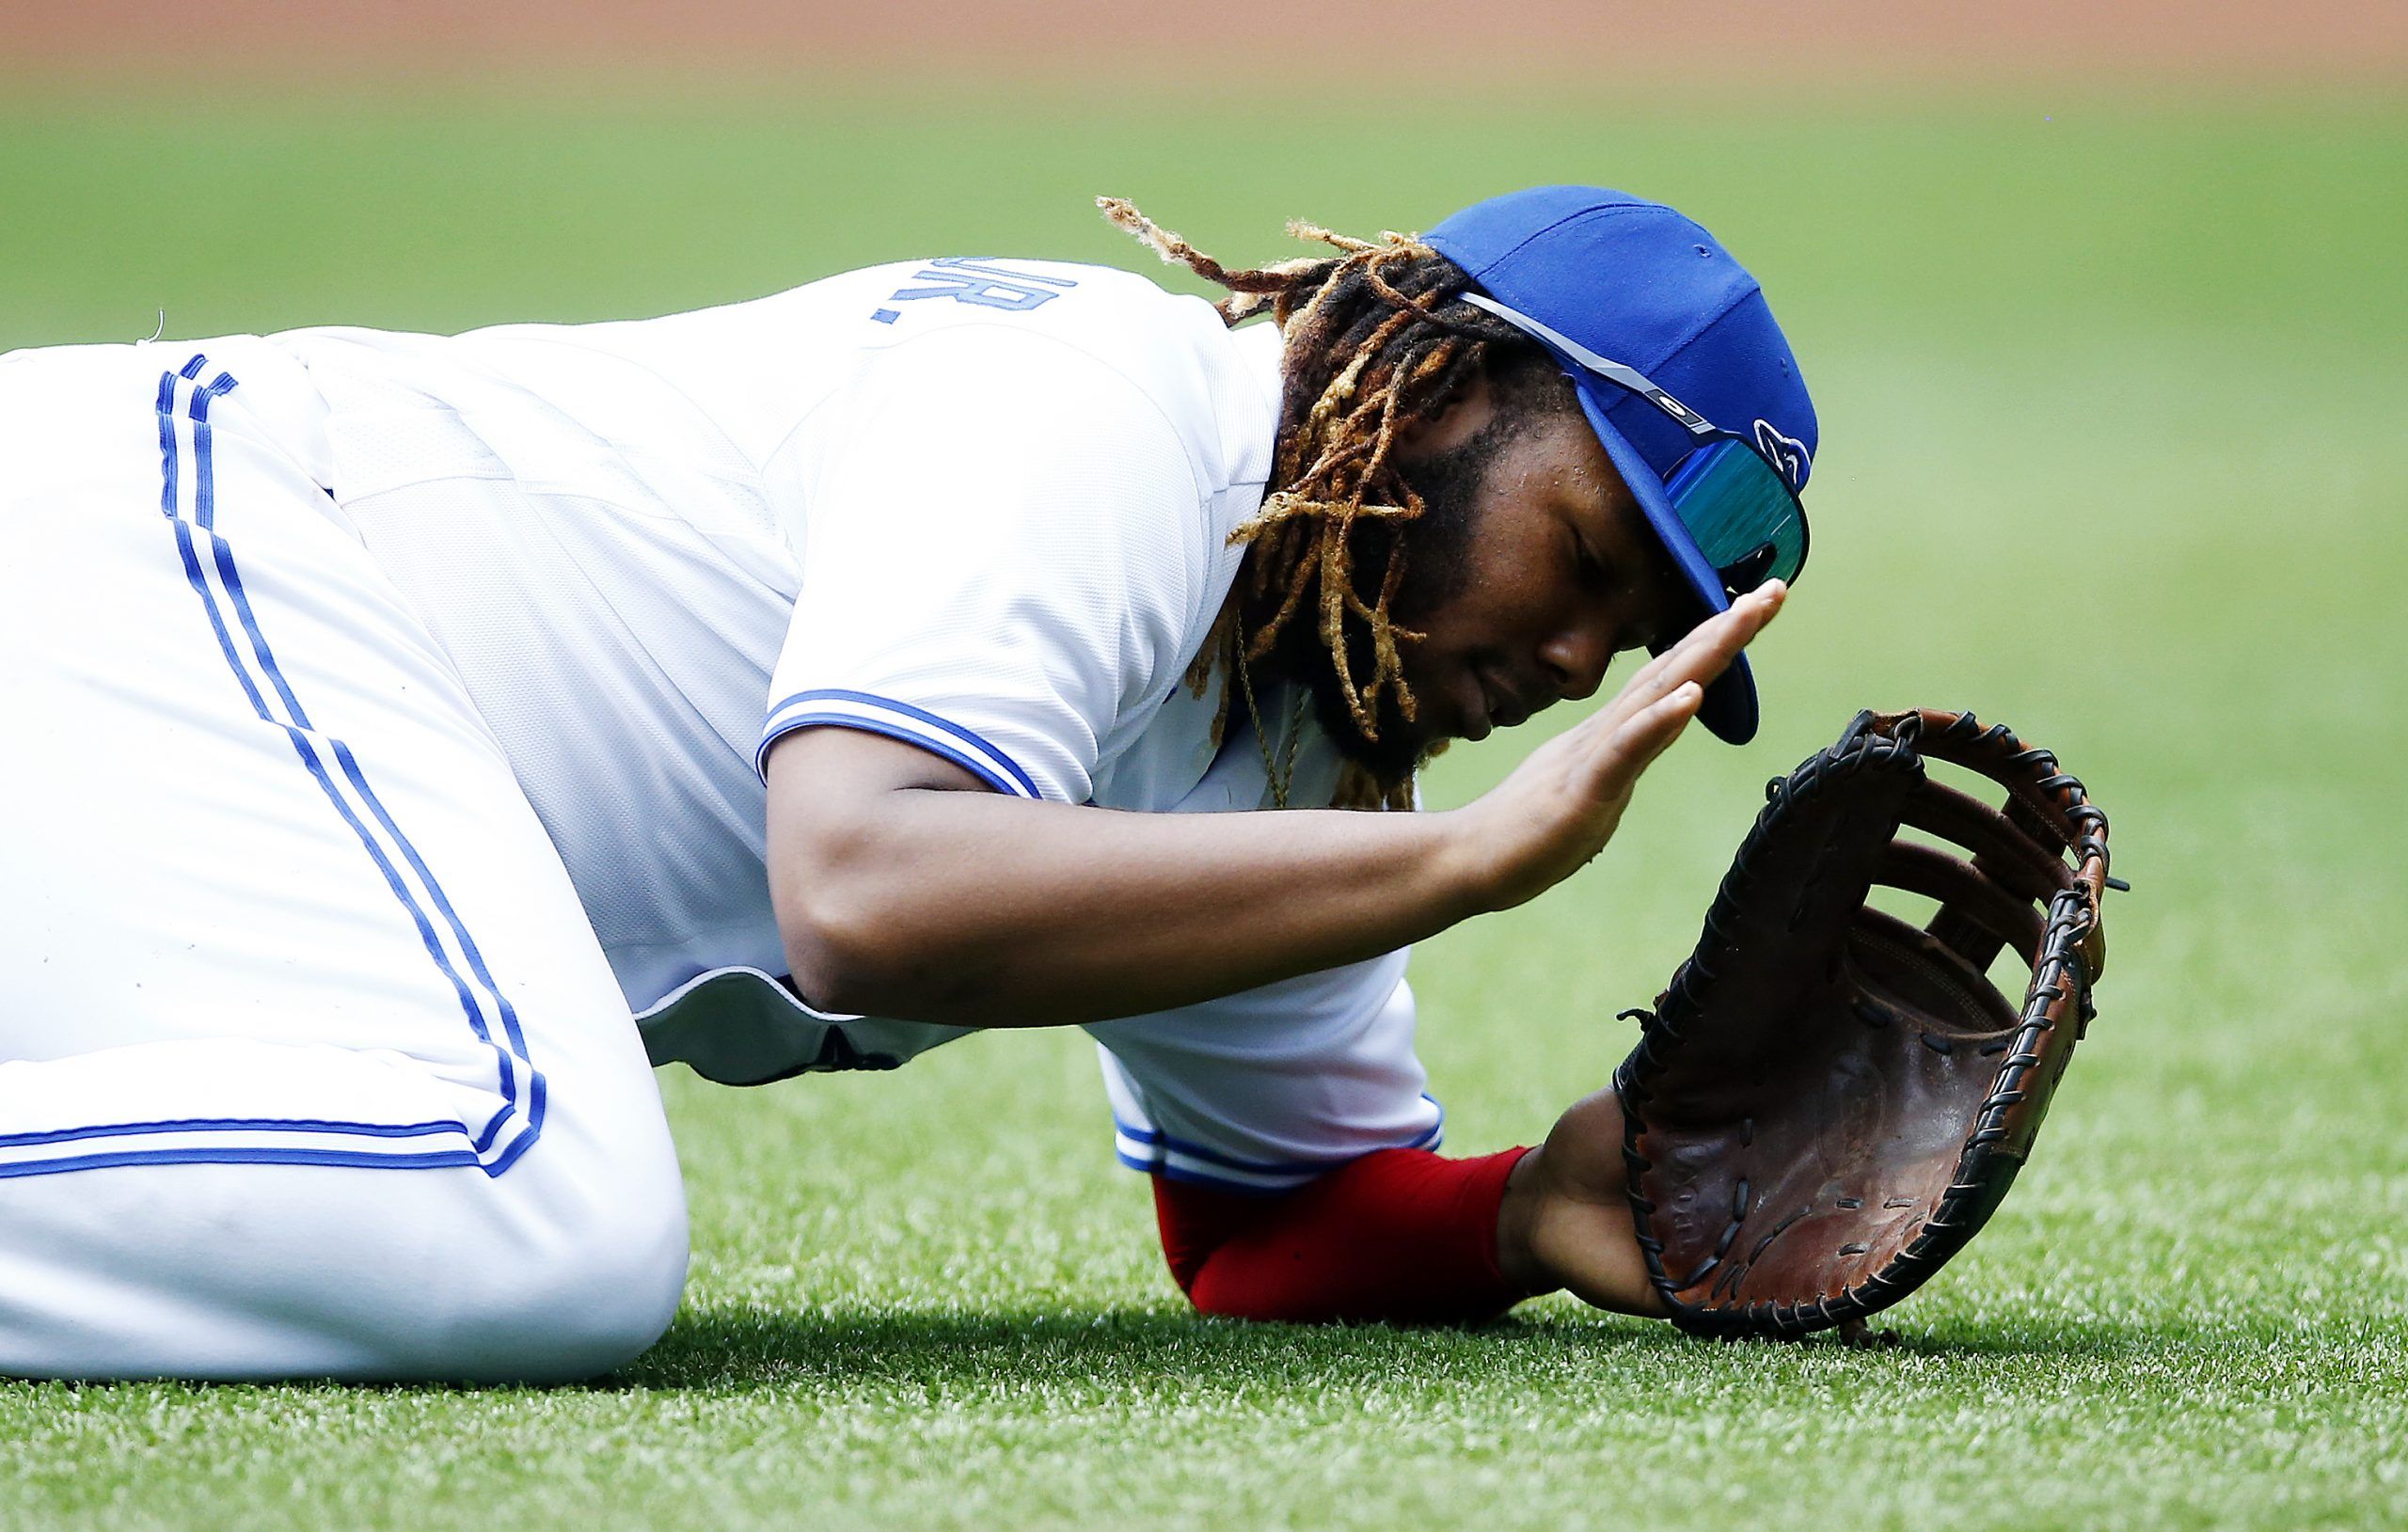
pixel 1828 1102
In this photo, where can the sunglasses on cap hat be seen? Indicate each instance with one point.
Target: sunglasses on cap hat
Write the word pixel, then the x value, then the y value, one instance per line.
pixel 1733 500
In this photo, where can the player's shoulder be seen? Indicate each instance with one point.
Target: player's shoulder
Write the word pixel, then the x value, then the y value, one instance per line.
pixel 1092 333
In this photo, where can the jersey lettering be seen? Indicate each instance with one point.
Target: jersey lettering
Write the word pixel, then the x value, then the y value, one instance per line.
pixel 983 283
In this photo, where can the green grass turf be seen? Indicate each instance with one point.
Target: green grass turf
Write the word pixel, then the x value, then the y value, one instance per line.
pixel 2113 401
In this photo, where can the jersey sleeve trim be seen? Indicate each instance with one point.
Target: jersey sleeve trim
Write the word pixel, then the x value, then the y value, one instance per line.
pixel 1155 1153
pixel 896 720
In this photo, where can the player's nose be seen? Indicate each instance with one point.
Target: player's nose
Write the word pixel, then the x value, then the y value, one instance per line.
pixel 1574 656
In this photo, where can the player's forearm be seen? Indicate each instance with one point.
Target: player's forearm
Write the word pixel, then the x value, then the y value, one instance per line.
pixel 903 889
pixel 977 909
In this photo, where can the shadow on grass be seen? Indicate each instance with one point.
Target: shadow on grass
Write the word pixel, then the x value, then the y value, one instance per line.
pixel 739 1349
pixel 758 1348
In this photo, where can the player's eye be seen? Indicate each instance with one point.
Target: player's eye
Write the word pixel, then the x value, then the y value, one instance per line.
pixel 1594 573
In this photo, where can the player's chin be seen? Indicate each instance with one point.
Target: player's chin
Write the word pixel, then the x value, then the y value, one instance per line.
pixel 1394 753
pixel 1396 746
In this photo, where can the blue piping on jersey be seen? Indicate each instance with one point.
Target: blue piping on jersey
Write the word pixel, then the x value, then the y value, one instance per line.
pixel 1218 1183
pixel 204 512
pixel 296 733
pixel 895 731
pixel 231 1154
pixel 299 731
pixel 1283 1182
pixel 209 1124
pixel 1026 786
pixel 1154 1138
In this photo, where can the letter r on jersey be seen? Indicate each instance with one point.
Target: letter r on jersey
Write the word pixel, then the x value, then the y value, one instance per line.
pixel 986 291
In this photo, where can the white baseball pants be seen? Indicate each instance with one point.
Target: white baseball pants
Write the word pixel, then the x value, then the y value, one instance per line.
pixel 309 1064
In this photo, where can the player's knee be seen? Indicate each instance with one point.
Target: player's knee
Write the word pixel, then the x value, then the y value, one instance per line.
pixel 624 1281
pixel 581 1262
pixel 603 1291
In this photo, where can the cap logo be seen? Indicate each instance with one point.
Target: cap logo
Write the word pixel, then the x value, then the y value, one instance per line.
pixel 1787 454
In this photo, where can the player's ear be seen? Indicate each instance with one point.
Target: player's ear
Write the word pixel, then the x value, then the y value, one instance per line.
pixel 1457 421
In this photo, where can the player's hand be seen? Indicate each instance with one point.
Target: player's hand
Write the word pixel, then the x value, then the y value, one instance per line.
pixel 1559 808
pixel 1565 1222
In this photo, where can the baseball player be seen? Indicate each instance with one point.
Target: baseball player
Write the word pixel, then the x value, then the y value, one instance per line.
pixel 954 644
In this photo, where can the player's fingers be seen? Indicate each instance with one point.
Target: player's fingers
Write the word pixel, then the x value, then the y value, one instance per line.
pixel 1650 732
pixel 1723 633
pixel 1705 652
pixel 1714 642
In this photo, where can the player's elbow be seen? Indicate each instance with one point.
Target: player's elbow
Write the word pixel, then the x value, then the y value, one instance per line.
pixel 841 948
pixel 866 913
pixel 865 932
pixel 843 980
pixel 887 944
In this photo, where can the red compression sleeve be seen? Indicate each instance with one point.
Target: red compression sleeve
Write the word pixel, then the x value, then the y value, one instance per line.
pixel 1400 1235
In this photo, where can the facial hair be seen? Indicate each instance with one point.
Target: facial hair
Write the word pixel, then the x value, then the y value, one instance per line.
pixel 1435 571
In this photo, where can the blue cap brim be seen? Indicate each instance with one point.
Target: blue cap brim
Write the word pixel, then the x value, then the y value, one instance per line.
pixel 1728 709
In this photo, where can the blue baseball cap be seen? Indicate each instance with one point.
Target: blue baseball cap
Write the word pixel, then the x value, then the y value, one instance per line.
pixel 1688 383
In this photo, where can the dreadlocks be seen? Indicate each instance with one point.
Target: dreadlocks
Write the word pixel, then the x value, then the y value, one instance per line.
pixel 1374 339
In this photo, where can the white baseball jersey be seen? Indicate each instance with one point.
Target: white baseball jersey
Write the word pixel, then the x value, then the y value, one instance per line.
pixel 386 712
pixel 981 506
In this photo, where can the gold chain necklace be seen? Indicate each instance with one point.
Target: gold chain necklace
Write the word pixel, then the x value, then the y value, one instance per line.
pixel 1281 776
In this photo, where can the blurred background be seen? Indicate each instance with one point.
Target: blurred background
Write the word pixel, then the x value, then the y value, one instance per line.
pixel 2102 306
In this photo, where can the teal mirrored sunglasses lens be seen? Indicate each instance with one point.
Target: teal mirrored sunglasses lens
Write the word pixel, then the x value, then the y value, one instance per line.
pixel 1741 513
